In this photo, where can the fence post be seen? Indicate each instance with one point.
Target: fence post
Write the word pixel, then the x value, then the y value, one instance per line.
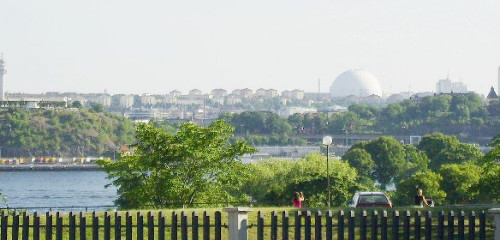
pixel 374 226
pixel 260 225
pixel 428 225
pixel 140 226
pixel 238 222
pixel 128 226
pixel 15 226
pixel 26 226
pixel 59 226
pixel 329 225
pixel 274 225
pixel 36 226
pixel 218 225
pixel 4 225
pixel 418 225
pixel 406 225
pixel 83 226
pixel 107 226
pixel 184 225
pixel 48 226
pixel 350 225
pixel 395 225
pixel 72 226
pixel 472 225
pixel 195 225
pixel 206 225
pixel 482 225
pixel 496 215
pixel 118 226
pixel 285 225
pixel 383 225
pixel 95 226
pixel 461 226
pixel 362 226
pixel 340 225
pixel 307 227
pixel 440 230
pixel 173 232
pixel 298 224
pixel 451 225
pixel 161 226
pixel 317 225
pixel 151 226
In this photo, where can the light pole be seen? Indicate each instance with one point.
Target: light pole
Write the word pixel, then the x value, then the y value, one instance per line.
pixel 327 140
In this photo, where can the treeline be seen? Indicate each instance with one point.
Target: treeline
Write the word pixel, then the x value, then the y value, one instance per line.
pixel 448 171
pixel 62 132
pixel 463 115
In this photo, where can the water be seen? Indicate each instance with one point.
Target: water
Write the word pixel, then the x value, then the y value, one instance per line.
pixel 57 190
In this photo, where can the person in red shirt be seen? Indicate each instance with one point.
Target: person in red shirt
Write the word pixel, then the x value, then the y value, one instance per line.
pixel 297 199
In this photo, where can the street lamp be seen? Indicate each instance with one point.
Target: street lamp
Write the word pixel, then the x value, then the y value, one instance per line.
pixel 327 141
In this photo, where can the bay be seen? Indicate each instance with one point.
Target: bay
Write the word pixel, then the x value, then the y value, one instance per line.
pixel 57 190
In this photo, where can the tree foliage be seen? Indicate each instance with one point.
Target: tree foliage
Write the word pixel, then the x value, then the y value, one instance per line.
pixel 197 164
pixel 387 154
pixel 459 182
pixel 426 180
pixel 275 181
pixel 444 149
pixel 61 132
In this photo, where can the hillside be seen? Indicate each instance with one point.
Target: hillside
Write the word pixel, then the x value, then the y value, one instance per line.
pixel 61 132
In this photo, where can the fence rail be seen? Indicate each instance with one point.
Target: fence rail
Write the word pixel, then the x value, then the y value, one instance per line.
pixel 278 225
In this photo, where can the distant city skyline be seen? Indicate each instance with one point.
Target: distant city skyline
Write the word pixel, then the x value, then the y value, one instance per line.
pixel 159 46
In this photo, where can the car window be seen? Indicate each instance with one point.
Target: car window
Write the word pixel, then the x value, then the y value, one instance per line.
pixel 373 199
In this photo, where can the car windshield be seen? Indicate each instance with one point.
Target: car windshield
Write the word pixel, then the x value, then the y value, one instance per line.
pixel 374 198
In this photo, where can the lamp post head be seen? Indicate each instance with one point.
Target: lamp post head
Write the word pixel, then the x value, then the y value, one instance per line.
pixel 327 140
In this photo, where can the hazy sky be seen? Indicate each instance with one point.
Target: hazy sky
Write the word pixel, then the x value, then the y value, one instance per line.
pixel 158 46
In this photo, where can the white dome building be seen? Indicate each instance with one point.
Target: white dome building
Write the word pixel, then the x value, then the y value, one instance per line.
pixel 357 82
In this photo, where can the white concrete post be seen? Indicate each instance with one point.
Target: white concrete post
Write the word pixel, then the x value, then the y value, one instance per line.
pixel 238 222
pixel 496 215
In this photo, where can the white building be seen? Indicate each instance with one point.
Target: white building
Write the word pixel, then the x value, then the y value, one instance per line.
pixel 195 92
pixel 104 100
pixel 297 94
pixel 357 82
pixel 219 92
pixel 126 101
pixel 148 100
pixel 292 110
pixel 458 87
pixel 443 86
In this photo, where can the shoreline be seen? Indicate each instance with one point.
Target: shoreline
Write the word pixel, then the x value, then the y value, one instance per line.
pixel 49 167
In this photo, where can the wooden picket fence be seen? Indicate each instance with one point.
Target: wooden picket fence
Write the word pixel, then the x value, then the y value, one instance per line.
pixel 279 225
pixel 396 225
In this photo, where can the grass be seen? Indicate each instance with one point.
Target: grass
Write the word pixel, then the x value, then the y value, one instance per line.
pixel 252 216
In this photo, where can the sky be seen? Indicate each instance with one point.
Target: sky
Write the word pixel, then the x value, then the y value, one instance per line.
pixel 156 46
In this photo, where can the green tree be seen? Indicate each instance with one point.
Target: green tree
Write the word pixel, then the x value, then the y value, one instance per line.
pixel 443 149
pixel 459 181
pixel 426 180
pixel 76 104
pixel 416 161
pixel 489 184
pixel 196 164
pixel 275 181
pixel 361 160
pixel 389 157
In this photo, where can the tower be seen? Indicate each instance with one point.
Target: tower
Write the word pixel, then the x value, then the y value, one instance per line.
pixel 2 72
